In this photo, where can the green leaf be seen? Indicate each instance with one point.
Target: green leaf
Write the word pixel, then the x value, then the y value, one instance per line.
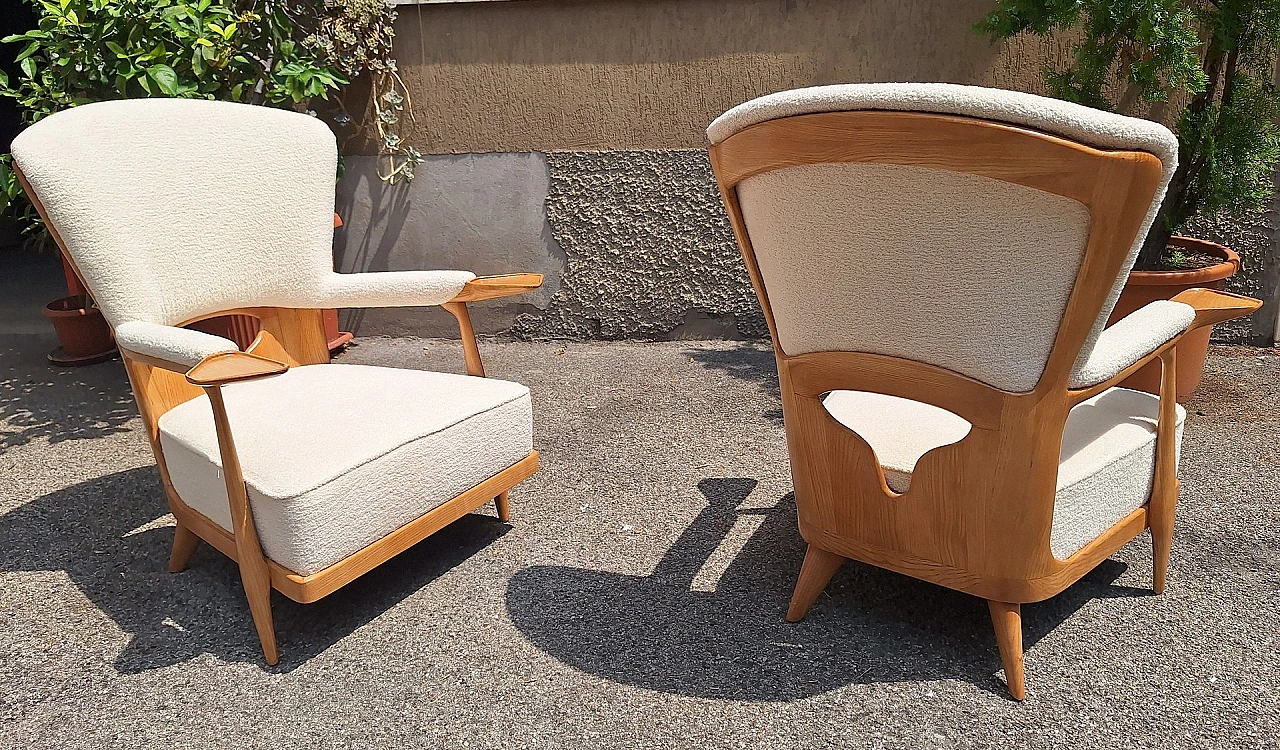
pixel 117 49
pixel 27 51
pixel 165 78
pixel 29 67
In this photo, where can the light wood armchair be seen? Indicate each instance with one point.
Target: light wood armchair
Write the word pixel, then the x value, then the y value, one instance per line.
pixel 935 264
pixel 304 499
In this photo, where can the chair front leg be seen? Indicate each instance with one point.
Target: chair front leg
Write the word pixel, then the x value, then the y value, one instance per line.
pixel 253 565
pixel 1165 485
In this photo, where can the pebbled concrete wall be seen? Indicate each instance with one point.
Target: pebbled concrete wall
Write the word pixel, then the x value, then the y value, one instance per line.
pixel 649 251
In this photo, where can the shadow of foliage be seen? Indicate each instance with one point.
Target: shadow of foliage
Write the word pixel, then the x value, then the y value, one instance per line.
pixel 40 401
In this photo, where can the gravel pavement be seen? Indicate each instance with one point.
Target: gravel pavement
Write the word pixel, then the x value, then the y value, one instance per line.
pixel 635 601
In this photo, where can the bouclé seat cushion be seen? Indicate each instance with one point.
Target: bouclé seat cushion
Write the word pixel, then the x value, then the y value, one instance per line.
pixel 335 457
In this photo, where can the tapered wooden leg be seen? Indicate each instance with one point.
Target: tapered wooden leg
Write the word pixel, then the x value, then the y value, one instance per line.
pixel 1008 621
pixel 1165 486
pixel 185 542
pixel 503 503
pixel 1160 518
pixel 815 573
pixel 257 588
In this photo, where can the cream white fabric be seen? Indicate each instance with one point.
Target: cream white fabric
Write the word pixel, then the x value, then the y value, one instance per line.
pixel 176 208
pixel 1106 466
pixel 179 345
pixel 1131 338
pixel 337 456
pixel 1083 124
pixel 914 263
pixel 392 288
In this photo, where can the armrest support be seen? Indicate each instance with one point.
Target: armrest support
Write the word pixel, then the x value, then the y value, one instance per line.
pixel 1213 306
pixel 180 347
pixel 486 287
pixel 1133 339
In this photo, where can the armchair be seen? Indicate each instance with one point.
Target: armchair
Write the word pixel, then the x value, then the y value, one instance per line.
pixel 304 500
pixel 936 264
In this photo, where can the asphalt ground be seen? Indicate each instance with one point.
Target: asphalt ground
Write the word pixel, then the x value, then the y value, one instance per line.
pixel 636 599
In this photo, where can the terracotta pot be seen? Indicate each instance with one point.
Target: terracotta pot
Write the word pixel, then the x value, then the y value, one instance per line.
pixel 1148 286
pixel 82 331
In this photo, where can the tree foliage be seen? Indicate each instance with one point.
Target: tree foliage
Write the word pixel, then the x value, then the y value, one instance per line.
pixel 1218 54
pixel 299 54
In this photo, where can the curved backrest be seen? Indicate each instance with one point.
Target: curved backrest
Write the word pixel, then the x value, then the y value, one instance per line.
pixel 865 246
pixel 172 209
pixel 950 245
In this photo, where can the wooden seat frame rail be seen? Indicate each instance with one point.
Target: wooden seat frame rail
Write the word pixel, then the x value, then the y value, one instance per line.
pixel 290 337
pixel 979 513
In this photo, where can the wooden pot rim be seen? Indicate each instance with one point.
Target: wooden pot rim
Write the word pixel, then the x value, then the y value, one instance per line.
pixel 1194 277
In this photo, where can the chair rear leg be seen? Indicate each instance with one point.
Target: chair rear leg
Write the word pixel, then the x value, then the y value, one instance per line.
pixel 185 542
pixel 1008 621
pixel 815 573
pixel 503 503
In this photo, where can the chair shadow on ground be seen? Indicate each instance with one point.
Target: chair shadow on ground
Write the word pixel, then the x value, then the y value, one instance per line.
pixel 111 538
pixel 871 626
pixel 750 362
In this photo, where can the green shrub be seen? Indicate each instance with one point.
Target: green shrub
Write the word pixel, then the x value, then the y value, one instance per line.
pixel 297 54
pixel 1218 54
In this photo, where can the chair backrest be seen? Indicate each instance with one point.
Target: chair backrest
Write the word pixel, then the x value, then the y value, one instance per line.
pixel 950 245
pixel 864 243
pixel 173 209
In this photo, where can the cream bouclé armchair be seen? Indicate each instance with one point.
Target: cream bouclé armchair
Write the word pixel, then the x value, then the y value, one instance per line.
pixel 937 264
pixel 174 211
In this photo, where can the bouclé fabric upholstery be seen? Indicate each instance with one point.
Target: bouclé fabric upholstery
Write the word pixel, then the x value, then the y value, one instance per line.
pixel 177 208
pixel 336 457
pixel 787 238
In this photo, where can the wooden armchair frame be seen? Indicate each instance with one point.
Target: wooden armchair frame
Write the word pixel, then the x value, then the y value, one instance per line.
pixel 978 514
pixel 290 337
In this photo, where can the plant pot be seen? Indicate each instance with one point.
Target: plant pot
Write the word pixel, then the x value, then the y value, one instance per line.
pixel 1144 287
pixel 83 333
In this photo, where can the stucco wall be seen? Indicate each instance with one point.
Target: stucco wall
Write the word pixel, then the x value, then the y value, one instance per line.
pixel 569 75
pixel 568 140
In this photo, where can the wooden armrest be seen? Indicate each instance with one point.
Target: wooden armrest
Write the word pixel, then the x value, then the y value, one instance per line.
pixel 491 287
pixel 231 367
pixel 1213 306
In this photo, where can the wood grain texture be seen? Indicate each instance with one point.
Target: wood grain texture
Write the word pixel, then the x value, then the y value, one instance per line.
pixel 1007 620
pixel 493 287
pixel 253 565
pixel 815 573
pixel 1164 491
pixel 233 367
pixel 470 347
pixel 979 513
pixel 185 542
